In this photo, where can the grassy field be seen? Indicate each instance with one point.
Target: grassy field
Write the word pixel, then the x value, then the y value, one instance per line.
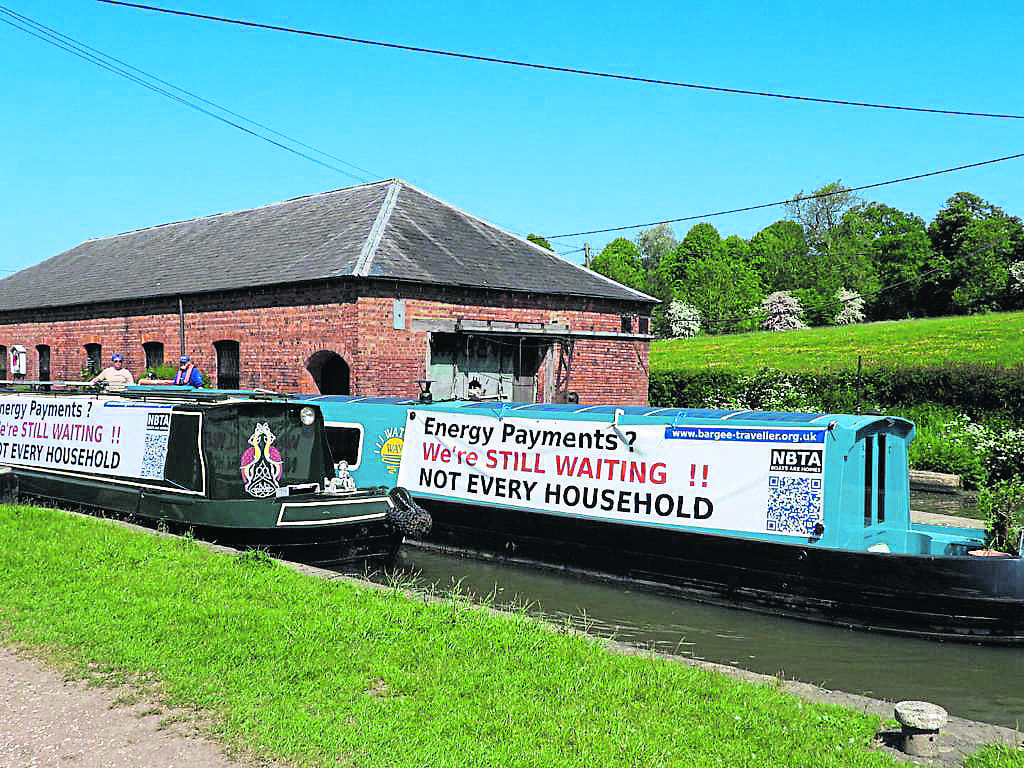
pixel 996 339
pixel 334 673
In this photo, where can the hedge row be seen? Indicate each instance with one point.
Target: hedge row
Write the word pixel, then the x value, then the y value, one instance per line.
pixel 973 389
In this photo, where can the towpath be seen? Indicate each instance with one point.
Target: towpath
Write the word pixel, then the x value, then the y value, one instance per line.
pixel 48 721
pixel 936 518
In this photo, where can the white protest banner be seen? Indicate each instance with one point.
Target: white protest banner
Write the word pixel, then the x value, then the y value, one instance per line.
pixel 118 438
pixel 749 479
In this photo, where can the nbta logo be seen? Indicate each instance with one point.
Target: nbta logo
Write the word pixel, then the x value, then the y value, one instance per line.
pixel 792 460
pixel 161 421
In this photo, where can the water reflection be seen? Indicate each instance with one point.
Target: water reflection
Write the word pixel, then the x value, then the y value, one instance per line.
pixel 974 682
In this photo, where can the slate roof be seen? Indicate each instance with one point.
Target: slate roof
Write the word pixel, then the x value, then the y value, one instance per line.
pixel 386 229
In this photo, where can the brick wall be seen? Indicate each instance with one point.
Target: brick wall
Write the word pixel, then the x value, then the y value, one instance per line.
pixel 278 330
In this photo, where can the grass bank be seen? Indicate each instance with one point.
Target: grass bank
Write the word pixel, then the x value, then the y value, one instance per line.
pixel 992 339
pixel 336 674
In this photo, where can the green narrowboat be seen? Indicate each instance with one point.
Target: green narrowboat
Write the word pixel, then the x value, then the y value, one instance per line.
pixel 247 470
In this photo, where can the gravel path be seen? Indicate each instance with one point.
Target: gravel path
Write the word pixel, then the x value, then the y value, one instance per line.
pixel 47 721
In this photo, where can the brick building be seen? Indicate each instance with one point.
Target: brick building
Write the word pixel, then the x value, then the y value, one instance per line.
pixel 369 290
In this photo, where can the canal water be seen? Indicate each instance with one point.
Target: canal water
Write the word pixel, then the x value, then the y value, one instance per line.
pixel 974 682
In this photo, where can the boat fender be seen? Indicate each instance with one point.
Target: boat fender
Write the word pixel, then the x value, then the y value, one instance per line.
pixel 406 515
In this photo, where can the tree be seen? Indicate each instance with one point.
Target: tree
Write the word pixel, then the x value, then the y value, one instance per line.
pixel 737 250
pixel 781 311
pixel 820 302
pixel 827 268
pixel 851 308
pixel 1016 286
pixel 620 260
pixel 655 243
pixel 540 240
pixel 974 242
pixel 723 292
pixel 683 320
pixel 820 212
pixel 896 251
pixel 778 253
pixel 702 242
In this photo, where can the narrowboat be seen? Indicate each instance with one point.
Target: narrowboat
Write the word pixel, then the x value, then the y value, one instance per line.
pixel 244 470
pixel 805 515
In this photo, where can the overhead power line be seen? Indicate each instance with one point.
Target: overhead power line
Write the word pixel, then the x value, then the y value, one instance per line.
pixel 552 68
pixel 183 96
pixel 784 202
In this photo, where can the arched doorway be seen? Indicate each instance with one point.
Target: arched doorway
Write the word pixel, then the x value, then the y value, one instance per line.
pixel 330 372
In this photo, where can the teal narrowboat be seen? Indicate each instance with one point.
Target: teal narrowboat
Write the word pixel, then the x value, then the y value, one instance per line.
pixel 801 514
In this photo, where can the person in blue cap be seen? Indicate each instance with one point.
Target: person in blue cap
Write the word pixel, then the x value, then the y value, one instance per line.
pixel 188 373
pixel 116 377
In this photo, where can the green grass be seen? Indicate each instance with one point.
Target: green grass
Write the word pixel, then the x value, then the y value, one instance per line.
pixel 993 339
pixel 333 673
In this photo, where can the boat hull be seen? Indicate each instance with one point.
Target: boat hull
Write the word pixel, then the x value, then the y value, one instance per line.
pixel 351 532
pixel 970 599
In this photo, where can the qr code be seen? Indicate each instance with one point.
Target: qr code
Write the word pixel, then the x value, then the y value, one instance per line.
pixel 794 504
pixel 154 454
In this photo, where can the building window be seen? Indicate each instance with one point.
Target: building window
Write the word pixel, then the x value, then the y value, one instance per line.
pixel 227 364
pixel 154 354
pixel 43 351
pixel 645 325
pixel 93 355
pixel 627 323
pixel 485 367
pixel 3 361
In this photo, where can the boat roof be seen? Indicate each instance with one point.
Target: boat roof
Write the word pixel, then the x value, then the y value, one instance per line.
pixel 637 413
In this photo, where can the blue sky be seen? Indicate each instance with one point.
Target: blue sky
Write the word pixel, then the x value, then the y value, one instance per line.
pixel 88 154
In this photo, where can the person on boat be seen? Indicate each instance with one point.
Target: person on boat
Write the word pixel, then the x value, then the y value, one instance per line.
pixel 188 373
pixel 115 377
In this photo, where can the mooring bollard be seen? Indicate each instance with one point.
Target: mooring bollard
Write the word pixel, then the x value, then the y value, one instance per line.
pixel 921 722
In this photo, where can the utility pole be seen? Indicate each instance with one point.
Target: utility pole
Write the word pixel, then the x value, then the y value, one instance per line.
pixel 586 254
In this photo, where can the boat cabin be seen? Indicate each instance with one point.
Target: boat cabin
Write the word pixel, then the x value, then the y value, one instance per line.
pixel 243 469
pixel 833 480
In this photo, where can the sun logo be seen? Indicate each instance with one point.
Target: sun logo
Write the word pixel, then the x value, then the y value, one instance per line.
pixel 389 448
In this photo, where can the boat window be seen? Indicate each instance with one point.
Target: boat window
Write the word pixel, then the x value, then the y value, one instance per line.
pixel 881 479
pixel 345 443
pixel 227 364
pixel 183 466
pixel 154 354
pixel 869 465
pixel 93 355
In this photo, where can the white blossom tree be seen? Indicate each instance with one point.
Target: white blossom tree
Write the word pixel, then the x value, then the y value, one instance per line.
pixel 852 307
pixel 683 320
pixel 781 311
